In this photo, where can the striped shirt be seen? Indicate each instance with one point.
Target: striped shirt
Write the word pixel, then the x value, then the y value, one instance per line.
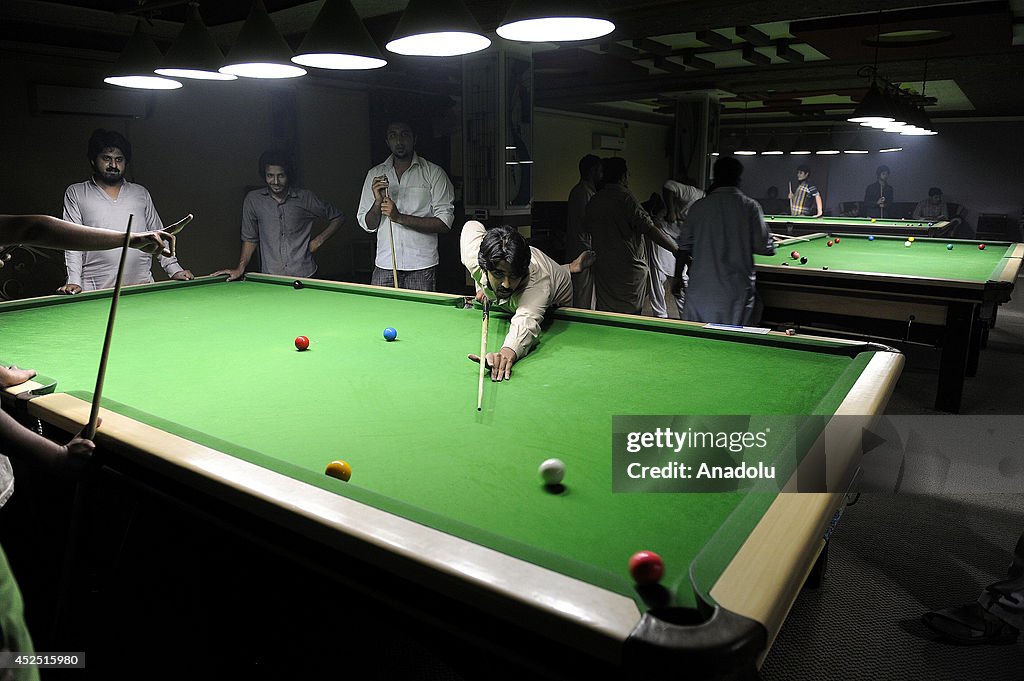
pixel 803 201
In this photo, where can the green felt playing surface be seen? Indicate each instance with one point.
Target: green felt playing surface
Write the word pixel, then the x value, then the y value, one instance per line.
pixel 888 255
pixel 826 220
pixel 215 363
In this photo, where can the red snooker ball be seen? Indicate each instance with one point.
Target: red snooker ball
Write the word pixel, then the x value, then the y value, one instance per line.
pixel 302 343
pixel 981 247
pixel 646 567
pixel 829 244
pixel 837 239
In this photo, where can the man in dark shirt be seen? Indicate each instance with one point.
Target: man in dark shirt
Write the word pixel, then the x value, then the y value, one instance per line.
pixel 279 220
pixel 878 196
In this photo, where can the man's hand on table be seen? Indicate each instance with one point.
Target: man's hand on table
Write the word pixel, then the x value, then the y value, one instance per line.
pixel 12 375
pixel 500 363
pixel 233 275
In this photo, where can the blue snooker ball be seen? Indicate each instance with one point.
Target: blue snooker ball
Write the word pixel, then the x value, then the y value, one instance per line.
pixel 871 238
pixel 390 334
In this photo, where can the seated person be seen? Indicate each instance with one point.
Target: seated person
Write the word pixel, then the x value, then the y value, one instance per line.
pixel 519 278
pixel 935 209
pixel 849 209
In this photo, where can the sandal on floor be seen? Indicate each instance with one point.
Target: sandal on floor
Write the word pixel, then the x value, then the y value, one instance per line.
pixel 970 625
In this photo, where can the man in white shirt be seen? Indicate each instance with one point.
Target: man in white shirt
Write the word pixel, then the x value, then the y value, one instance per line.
pixel 519 278
pixel 106 201
pixel 677 198
pixel 409 200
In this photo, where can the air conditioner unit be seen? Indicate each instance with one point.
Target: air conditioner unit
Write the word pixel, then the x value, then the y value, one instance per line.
pixel 59 99
pixel 609 142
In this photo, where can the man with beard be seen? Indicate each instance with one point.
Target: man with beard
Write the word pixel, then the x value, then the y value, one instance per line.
pixel 279 219
pixel 417 199
pixel 518 278
pixel 106 201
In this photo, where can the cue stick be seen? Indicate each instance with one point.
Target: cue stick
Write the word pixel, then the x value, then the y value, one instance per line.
pixel 391 235
pixel 483 354
pixel 90 429
pixel 177 227
pixel 78 505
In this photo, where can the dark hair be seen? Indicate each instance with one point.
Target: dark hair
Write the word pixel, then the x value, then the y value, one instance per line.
pixel 803 168
pixel 881 169
pixel 614 169
pixel 587 163
pixel 101 139
pixel 654 204
pixel 276 157
pixel 934 191
pixel 728 170
pixel 504 244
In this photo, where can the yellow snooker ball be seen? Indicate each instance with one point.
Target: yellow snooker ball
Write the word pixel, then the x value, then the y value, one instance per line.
pixel 340 470
pixel 873 220
pixel 910 239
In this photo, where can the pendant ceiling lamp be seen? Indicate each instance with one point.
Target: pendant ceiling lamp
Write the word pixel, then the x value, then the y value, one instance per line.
pixel 134 68
pixel 772 148
pixel 339 40
pixel 437 28
pixel 260 51
pixel 195 53
pixel 554 21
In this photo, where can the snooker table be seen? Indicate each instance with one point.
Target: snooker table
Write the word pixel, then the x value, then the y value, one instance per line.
pixel 880 288
pixel 448 498
pixel 803 224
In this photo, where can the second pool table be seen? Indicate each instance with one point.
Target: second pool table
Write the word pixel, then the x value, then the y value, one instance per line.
pixel 790 225
pixel 940 292
pixel 206 390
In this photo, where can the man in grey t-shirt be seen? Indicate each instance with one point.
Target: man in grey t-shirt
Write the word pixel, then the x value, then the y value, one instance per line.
pixel 278 219
pixel 106 201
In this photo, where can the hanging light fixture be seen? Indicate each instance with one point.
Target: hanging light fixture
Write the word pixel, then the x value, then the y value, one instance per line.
pixel 856 146
pixel 551 21
pixel 828 149
pixel 772 148
pixel 873 108
pixel 745 147
pixel 339 40
pixel 260 51
pixel 195 53
pixel 134 68
pixel 802 146
pixel 437 28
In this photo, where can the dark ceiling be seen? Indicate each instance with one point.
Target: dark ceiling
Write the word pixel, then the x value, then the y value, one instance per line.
pixel 778 61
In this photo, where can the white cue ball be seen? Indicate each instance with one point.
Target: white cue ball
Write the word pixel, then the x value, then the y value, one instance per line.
pixel 552 471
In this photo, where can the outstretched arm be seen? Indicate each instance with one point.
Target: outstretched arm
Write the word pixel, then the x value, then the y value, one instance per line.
pixel 50 232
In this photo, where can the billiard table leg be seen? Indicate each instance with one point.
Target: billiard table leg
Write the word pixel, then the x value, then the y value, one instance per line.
pixel 953 363
pixel 816 577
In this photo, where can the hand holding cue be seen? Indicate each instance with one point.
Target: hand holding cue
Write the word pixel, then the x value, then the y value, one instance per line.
pixel 483 354
pixel 391 236
pixel 90 429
